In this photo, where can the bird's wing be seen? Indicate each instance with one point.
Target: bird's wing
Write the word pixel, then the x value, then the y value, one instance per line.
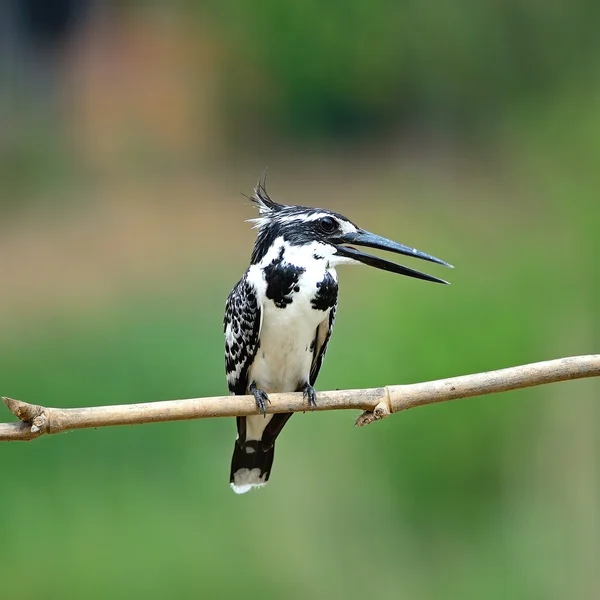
pixel 242 324
pixel 321 340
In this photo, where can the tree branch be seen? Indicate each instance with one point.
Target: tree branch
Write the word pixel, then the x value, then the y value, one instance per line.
pixel 376 403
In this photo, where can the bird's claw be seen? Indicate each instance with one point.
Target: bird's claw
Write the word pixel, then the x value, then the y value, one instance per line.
pixel 261 398
pixel 308 391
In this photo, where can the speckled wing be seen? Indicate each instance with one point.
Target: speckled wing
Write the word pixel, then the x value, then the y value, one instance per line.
pixel 242 323
pixel 322 339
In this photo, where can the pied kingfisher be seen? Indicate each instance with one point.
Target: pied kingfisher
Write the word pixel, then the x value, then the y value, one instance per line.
pixel 280 315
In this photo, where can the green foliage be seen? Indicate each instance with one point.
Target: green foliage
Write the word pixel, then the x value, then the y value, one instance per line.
pixel 330 69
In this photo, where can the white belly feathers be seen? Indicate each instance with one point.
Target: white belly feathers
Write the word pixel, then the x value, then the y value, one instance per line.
pixel 284 357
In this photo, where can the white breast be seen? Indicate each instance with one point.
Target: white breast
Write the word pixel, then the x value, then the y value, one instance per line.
pixel 284 358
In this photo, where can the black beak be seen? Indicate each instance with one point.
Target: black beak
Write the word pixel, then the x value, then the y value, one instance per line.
pixel 364 238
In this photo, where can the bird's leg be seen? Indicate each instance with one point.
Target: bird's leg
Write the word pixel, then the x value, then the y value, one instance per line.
pixel 309 394
pixel 261 398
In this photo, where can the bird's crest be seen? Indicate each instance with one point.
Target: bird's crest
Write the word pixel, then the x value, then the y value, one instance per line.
pixel 262 201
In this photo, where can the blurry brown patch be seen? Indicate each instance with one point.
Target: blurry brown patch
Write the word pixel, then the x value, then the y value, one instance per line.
pixel 139 83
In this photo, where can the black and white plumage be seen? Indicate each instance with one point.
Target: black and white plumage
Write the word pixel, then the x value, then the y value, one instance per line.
pixel 280 315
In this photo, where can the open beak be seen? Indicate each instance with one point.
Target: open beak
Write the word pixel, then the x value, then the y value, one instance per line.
pixel 364 238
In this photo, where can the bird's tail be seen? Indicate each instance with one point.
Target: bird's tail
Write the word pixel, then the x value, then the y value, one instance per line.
pixel 254 451
pixel 250 465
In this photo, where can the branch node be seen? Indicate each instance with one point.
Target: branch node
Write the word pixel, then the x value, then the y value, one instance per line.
pixel 381 411
pixel 39 423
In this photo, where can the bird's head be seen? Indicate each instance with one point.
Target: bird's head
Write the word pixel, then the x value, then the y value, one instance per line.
pixel 324 234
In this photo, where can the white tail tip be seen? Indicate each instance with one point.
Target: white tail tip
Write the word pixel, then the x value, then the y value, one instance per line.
pixel 246 479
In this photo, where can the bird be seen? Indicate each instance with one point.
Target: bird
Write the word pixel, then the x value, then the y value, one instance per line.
pixel 279 316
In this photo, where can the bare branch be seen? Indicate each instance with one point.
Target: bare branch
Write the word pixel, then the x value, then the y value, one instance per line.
pixel 377 403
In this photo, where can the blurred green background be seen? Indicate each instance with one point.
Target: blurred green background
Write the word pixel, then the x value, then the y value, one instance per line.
pixel 470 130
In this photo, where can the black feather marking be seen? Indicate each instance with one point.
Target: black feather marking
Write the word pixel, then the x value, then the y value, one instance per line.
pixel 322 336
pixel 241 427
pixel 273 429
pixel 242 329
pixel 327 293
pixel 282 279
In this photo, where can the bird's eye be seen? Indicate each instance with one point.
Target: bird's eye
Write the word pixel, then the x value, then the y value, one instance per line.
pixel 328 224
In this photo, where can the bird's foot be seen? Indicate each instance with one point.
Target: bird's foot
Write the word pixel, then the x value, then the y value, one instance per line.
pixel 261 398
pixel 309 394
